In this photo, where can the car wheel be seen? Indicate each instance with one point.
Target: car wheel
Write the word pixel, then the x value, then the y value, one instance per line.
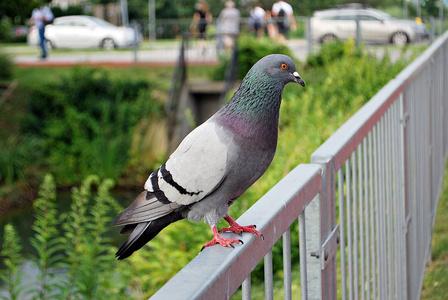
pixel 399 38
pixel 328 38
pixel 108 44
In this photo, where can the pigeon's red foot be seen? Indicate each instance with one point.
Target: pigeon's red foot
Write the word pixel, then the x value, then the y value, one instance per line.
pixel 218 239
pixel 237 228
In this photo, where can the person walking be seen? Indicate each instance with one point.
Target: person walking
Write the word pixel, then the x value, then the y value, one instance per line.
pixel 40 17
pixel 284 18
pixel 201 19
pixel 228 26
pixel 257 20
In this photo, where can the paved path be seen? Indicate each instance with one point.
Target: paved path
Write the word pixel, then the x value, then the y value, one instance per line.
pixel 165 55
pixel 158 54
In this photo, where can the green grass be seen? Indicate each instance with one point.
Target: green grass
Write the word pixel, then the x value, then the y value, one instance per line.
pixel 435 285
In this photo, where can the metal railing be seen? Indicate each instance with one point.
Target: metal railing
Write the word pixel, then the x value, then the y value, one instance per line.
pixel 365 205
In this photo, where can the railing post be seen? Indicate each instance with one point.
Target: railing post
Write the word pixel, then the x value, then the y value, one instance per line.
pixel 309 35
pixel 320 222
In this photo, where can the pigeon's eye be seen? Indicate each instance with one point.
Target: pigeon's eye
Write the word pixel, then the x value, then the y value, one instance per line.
pixel 283 66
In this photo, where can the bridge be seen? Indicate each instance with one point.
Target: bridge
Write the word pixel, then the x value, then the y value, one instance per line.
pixel 365 205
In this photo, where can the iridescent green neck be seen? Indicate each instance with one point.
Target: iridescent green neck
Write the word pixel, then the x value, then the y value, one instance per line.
pixel 257 98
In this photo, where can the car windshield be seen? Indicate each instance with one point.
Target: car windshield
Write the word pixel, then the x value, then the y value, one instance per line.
pixel 100 22
pixel 382 14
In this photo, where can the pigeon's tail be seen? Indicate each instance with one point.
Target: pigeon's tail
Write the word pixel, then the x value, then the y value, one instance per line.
pixel 143 233
pixel 144 219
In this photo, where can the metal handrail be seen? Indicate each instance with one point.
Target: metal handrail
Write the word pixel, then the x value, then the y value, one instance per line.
pixel 216 273
pixel 362 121
pixel 370 194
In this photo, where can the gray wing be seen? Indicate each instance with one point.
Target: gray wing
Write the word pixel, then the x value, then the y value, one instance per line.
pixel 195 169
pixel 144 209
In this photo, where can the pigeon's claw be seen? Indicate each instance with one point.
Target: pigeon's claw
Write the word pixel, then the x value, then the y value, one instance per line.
pixel 240 229
pixel 237 228
pixel 218 239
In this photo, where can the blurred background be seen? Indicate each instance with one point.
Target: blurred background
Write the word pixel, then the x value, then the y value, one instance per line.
pixel 94 94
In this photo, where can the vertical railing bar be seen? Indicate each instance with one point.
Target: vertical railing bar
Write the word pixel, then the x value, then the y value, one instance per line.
pixel 377 217
pixel 366 218
pixel 381 210
pixel 398 248
pixel 395 159
pixel 287 263
pixel 414 229
pixel 342 232
pixel 389 199
pixel 361 217
pixel 355 226
pixel 372 213
pixel 268 277
pixel 386 203
pixel 401 203
pixel 349 227
pixel 394 140
pixel 403 253
pixel 302 249
pixel 246 288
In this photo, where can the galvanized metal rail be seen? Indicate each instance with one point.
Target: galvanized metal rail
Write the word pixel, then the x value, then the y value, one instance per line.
pixel 365 205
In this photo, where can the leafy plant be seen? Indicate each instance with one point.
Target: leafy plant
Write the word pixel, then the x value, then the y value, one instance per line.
pixel 12 259
pixel 46 241
pixel 85 121
pixel 250 50
pixel 334 91
pixel 91 267
pixel 6 66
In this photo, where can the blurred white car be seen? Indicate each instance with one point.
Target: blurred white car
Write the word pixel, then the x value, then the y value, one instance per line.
pixel 84 32
pixel 376 26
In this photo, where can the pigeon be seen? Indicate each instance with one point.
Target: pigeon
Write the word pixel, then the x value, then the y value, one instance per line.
pixel 215 163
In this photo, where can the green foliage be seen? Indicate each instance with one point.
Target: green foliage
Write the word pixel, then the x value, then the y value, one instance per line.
pixel 435 284
pixel 6 66
pixel 85 122
pixel 10 275
pixel 5 29
pixel 16 155
pixel 46 241
pixel 334 91
pixel 68 11
pixel 328 53
pixel 19 11
pixel 250 50
pixel 92 270
pixel 74 252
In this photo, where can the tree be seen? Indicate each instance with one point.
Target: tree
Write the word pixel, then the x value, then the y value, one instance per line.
pixel 19 11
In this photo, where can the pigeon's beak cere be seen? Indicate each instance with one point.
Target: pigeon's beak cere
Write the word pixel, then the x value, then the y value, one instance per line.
pixel 298 79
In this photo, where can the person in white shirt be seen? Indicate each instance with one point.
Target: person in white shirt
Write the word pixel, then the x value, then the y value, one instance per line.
pixel 283 13
pixel 40 17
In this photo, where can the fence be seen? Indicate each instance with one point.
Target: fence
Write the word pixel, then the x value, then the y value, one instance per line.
pixel 365 205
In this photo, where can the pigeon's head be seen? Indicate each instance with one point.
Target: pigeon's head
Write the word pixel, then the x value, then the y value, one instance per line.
pixel 280 68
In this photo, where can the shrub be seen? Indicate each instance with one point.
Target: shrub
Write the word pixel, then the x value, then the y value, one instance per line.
pixel 46 241
pixel 12 260
pixel 331 52
pixel 74 252
pixel 308 116
pixel 85 122
pixel 5 29
pixel 6 67
pixel 250 50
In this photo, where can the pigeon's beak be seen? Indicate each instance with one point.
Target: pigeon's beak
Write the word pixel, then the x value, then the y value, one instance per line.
pixel 298 79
